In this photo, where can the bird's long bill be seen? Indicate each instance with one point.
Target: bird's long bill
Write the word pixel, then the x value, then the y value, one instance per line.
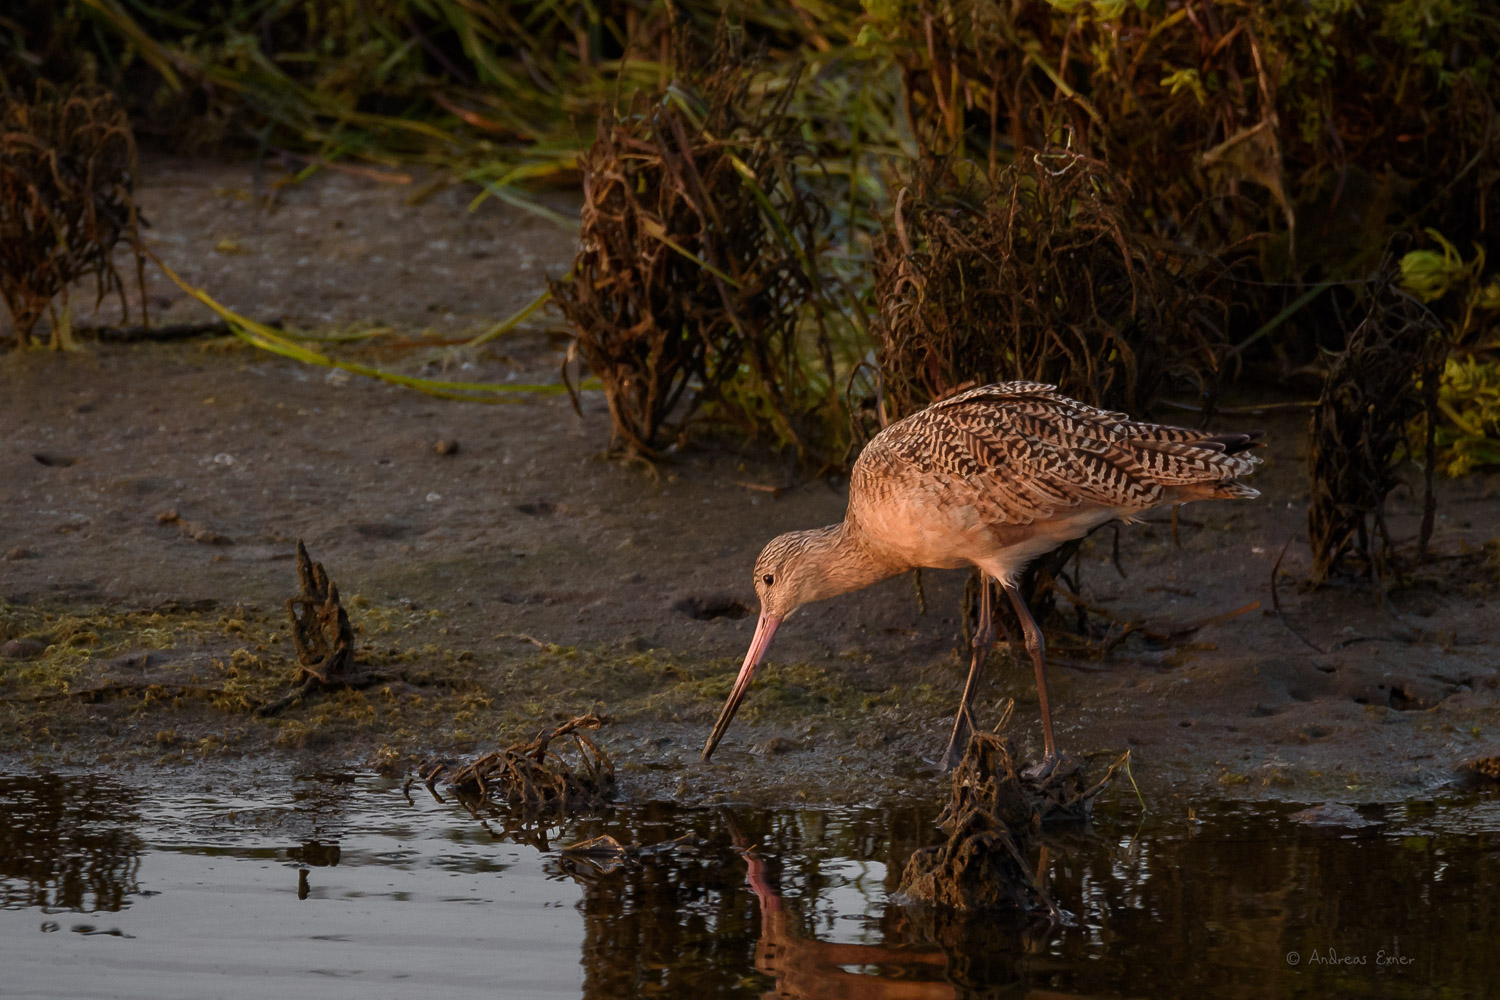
pixel 764 630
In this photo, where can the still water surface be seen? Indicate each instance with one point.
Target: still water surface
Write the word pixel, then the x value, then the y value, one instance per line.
pixel 339 886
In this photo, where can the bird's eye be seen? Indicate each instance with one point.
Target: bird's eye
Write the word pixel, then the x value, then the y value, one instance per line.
pixel 768 579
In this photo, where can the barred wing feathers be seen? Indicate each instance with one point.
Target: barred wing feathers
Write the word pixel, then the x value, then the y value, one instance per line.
pixel 1022 452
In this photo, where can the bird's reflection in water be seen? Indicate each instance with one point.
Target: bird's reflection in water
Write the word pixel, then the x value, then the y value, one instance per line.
pixel 815 970
pixel 810 969
pixel 975 956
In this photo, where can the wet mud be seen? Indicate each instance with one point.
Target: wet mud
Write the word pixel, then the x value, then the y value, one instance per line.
pixel 495 570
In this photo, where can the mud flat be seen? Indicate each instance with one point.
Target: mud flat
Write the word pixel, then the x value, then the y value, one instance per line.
pixel 154 494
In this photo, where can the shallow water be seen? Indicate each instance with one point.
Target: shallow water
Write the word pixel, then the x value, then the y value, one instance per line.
pixel 339 886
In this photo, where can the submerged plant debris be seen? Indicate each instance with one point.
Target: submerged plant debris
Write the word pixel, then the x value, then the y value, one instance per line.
pixel 534 776
pixel 991 821
pixel 604 854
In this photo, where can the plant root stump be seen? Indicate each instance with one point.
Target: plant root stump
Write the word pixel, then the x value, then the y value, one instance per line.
pixel 322 635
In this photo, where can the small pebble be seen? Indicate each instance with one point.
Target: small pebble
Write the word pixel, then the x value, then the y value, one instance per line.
pixel 777 745
pixel 23 649
pixel 447 446
pixel 1332 814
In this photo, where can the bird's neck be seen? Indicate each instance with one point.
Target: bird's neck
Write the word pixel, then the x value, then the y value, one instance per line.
pixel 840 562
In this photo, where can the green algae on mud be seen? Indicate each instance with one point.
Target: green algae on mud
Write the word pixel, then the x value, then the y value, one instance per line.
pixel 189 676
pixel 178 681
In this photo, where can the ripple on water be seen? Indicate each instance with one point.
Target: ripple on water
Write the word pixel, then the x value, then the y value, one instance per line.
pixel 340 884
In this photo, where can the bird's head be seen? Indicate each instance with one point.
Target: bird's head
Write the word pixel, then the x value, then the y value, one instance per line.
pixel 787 574
pixel 795 569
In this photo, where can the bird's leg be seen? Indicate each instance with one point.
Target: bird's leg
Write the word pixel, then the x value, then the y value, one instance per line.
pixel 984 638
pixel 1037 647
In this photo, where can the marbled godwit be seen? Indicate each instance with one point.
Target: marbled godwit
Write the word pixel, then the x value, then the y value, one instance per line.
pixel 992 477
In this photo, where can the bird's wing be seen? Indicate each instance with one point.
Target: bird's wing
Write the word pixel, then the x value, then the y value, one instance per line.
pixel 1023 452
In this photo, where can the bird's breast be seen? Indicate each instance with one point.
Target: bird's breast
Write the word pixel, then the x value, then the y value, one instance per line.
pixel 919 528
pixel 926 525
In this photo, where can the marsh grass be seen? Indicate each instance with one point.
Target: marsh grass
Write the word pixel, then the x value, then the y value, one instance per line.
pixel 697 279
pixel 501 95
pixel 67 175
pixel 1034 273
pixel 1286 142
pixel 1377 389
pixel 1289 131
pixel 1270 151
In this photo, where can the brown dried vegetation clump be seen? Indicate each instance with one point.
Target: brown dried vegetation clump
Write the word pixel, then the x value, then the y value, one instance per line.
pixel 1243 121
pixel 1376 388
pixel 1034 273
pixel 993 817
pixel 321 634
pixel 989 824
pixel 534 777
pixel 694 282
pixel 67 171
pixel 1287 140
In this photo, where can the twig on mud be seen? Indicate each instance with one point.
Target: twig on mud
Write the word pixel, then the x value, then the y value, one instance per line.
pixel 775 491
pixel 287 701
pixel 1071 664
pixel 1159 631
pixel 140 332
pixel 1164 631
pixel 523 637
pixel 1276 600
pixel 196 530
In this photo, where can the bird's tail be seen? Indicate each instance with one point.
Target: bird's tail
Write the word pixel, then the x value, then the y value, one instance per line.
pixel 1231 490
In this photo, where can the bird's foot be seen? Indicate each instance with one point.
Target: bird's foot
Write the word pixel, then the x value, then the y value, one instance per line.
pixel 1039 773
pixel 951 757
pixel 963 726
